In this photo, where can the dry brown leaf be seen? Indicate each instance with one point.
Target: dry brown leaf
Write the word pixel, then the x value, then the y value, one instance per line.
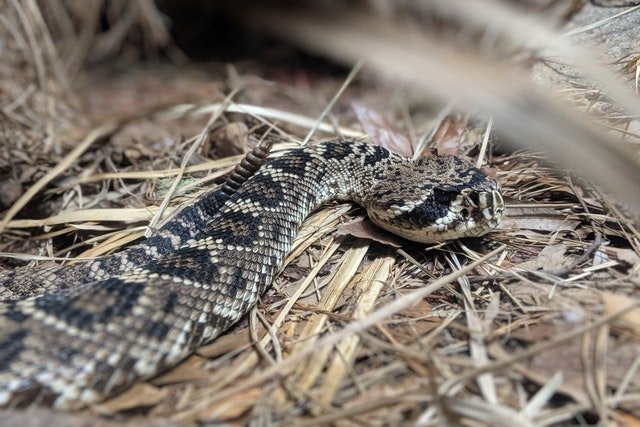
pixel 614 303
pixel 228 342
pixel 141 394
pixel 141 138
pixel 189 370
pixel 550 258
pixel 10 190
pixel 625 255
pixel 229 140
pixel 619 360
pixel 424 320
pixel 381 130
pixel 449 134
pixel 230 408
pixel 421 308
pixel 534 333
pixel 491 172
pixel 532 295
pixel 568 358
pixel 536 222
pixel 406 333
pixel 384 392
pixel 628 420
pixel 364 229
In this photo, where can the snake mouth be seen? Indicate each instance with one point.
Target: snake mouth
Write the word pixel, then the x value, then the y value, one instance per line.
pixel 471 213
pixel 477 205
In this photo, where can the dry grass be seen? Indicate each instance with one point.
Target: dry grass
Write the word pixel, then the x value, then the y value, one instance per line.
pixel 536 324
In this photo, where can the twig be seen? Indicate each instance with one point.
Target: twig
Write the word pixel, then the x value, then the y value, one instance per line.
pixel 485 142
pixel 356 68
pixel 597 241
pixel 600 23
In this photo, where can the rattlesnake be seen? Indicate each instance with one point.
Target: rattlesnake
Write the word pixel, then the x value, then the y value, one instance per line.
pixel 73 336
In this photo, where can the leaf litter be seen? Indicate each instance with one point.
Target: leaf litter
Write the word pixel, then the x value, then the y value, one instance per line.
pixel 511 340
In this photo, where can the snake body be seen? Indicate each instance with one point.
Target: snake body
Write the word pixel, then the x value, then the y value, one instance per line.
pixel 74 336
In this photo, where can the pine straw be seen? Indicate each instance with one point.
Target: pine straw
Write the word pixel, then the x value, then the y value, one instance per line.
pixel 532 325
pixel 356 332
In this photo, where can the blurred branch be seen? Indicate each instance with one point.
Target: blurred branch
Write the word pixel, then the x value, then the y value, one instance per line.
pixel 523 115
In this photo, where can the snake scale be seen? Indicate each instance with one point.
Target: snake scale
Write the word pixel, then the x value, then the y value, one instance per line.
pixel 75 335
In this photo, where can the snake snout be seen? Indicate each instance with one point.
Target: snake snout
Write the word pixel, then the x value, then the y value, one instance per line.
pixel 491 204
pixel 475 211
pixel 477 204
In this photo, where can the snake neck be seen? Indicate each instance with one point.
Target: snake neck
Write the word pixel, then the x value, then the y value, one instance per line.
pixel 329 171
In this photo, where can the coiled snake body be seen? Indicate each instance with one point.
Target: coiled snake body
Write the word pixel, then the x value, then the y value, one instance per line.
pixel 76 335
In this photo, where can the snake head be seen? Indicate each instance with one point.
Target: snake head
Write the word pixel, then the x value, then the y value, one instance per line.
pixel 435 199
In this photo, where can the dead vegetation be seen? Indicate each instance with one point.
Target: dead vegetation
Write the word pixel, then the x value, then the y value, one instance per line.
pixel 535 324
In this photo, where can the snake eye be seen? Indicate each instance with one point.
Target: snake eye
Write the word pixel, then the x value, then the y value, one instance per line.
pixel 443 196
